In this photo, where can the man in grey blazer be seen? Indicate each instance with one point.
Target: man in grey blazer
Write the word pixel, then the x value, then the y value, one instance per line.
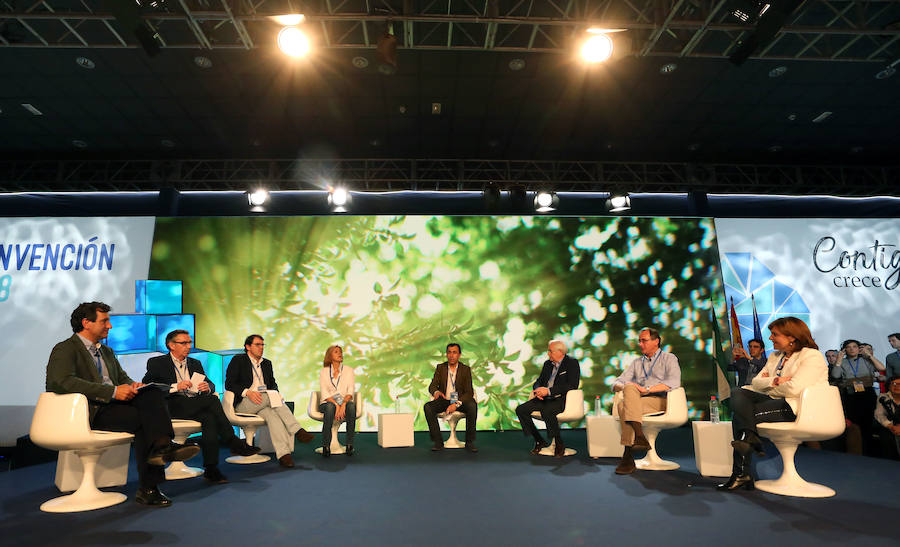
pixel 81 364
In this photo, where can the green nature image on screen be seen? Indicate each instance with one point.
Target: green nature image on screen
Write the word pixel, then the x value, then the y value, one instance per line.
pixel 395 290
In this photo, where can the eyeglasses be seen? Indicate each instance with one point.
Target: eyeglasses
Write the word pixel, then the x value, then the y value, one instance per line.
pixel 183 342
pixel 260 344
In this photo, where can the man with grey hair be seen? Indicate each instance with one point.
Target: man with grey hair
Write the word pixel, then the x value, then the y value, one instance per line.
pixel 645 383
pixel 560 374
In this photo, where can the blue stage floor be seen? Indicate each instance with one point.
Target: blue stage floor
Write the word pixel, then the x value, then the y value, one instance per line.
pixel 501 496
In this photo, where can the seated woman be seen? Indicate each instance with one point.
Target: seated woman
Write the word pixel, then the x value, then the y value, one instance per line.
pixel 336 384
pixel 774 394
pixel 887 414
pixel 855 375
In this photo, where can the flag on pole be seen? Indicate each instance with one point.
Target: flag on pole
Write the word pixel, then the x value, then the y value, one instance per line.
pixel 757 331
pixel 736 341
pixel 720 360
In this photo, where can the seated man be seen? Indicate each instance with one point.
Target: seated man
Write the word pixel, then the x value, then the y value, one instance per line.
pixel 645 383
pixel 201 405
pixel 748 366
pixel 451 390
pixel 250 377
pixel 560 374
pixel 81 364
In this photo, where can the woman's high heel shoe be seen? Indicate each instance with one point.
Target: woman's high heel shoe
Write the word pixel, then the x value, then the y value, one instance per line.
pixel 737 481
pixel 741 477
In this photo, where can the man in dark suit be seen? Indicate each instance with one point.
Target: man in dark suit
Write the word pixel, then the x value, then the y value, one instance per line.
pixel 250 378
pixel 190 402
pixel 451 390
pixel 81 364
pixel 560 374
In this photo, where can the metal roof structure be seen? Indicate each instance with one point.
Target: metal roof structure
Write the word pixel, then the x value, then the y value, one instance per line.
pixel 482 91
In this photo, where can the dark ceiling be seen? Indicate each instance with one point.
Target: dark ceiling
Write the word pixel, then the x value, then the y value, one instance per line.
pixel 256 103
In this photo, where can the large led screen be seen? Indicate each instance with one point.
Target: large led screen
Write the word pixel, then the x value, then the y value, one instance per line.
pixel 394 290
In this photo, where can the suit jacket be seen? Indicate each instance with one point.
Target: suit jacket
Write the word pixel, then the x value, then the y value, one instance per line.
pixel 239 375
pixel 72 369
pixel 463 382
pixel 161 369
pixel 568 377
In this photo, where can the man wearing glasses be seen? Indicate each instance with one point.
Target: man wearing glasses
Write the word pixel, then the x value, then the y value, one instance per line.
pixel 645 383
pixel 190 400
pixel 252 381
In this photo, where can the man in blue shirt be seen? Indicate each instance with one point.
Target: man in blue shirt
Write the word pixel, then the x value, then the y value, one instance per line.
pixel 644 385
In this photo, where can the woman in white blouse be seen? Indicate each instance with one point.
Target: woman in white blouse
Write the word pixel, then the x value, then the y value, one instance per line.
pixel 336 384
pixel 774 394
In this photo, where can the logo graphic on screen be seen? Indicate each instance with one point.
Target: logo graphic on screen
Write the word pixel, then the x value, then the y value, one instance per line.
pixel 746 276
pixel 876 266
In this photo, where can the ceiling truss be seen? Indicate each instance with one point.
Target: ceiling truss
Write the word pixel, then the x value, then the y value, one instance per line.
pixel 833 30
pixel 444 175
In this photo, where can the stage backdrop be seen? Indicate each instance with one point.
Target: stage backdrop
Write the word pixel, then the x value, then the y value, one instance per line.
pixel 840 275
pixel 47 267
pixel 393 291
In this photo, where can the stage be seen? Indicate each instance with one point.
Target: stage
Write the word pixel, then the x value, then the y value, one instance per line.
pixel 500 496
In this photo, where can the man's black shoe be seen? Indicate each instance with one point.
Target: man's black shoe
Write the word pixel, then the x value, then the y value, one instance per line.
pixel 470 447
pixel 538 446
pixel 326 452
pixel 239 447
pixel 214 476
pixel 172 452
pixel 152 497
pixel 437 446
pixel 349 450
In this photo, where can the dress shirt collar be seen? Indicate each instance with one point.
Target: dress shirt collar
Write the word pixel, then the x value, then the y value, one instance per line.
pixel 658 350
pixel 253 360
pixel 177 362
pixel 88 344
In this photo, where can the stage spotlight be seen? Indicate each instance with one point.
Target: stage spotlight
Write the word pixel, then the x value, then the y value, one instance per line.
pixel 258 197
pixel 618 203
pixel 597 49
pixel 339 199
pixel 544 202
pixel 293 42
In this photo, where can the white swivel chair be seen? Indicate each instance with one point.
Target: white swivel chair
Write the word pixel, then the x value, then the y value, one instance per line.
pixel 249 423
pixel 183 429
pixel 573 412
pixel 60 422
pixel 820 417
pixel 452 420
pixel 675 415
pixel 313 411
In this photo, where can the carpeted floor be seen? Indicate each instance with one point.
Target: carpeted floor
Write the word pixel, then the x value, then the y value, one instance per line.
pixel 500 496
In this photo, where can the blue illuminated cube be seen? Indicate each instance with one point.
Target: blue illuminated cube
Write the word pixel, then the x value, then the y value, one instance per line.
pixel 157 296
pixel 132 333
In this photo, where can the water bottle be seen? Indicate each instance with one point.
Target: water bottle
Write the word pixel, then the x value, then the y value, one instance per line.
pixel 597 405
pixel 714 409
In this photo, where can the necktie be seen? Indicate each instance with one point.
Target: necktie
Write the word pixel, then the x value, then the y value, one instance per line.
pixel 553 375
pixel 96 353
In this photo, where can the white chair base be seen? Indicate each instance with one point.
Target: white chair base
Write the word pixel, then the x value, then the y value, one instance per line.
pixel 179 470
pixel 651 461
pixel 452 421
pixel 551 450
pixel 336 447
pixel 249 432
pixel 790 483
pixel 111 468
pixel 87 496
